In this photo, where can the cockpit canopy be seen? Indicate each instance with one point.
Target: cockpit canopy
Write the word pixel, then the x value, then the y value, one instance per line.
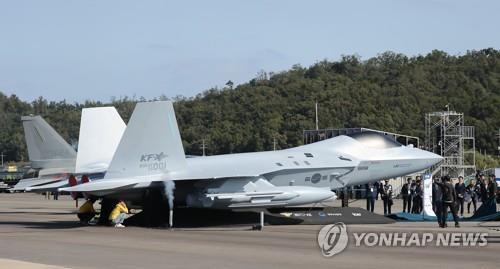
pixel 375 140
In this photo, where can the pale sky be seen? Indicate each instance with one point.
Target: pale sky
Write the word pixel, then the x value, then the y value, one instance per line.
pixel 78 50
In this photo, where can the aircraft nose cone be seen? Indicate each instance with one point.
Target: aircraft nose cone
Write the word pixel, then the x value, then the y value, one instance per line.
pixel 429 158
pixel 435 158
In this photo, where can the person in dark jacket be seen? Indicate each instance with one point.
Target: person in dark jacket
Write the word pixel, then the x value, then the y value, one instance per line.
pixel 471 194
pixel 413 188
pixel 437 200
pixel 460 190
pixel 406 195
pixel 386 195
pixel 418 198
pixel 491 187
pixel 371 193
pixel 482 187
pixel 449 200
pixel 377 186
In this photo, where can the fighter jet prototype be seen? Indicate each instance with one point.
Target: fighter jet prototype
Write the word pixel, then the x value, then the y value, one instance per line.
pixel 101 129
pixel 151 155
pixel 48 153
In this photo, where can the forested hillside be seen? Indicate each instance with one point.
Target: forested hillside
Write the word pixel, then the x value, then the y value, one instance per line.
pixel 390 92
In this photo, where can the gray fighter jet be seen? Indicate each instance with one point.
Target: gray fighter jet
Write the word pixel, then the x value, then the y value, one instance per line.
pixel 151 155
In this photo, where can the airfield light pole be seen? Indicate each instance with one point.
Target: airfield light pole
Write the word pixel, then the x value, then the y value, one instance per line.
pixel 203 147
pixel 316 109
pixel 2 158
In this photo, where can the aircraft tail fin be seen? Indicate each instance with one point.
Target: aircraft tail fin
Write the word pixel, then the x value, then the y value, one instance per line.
pixel 151 143
pixel 101 129
pixel 46 148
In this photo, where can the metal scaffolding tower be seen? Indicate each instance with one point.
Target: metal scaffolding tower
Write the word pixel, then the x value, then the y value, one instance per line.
pixel 447 136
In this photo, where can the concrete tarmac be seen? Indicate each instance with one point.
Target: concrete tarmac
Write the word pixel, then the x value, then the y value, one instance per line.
pixel 39 233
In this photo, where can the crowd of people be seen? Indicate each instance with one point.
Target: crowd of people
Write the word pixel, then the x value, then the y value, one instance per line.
pixel 412 194
pixel 446 197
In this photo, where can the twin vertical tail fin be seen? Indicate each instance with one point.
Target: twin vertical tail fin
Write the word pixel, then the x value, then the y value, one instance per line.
pixel 101 129
pixel 46 148
pixel 150 145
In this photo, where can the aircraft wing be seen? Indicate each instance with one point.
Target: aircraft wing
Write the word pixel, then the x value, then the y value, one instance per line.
pixel 51 187
pixel 103 185
pixel 31 182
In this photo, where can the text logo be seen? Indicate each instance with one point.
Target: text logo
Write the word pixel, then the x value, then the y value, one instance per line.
pixel 333 239
pixel 154 161
pixel 153 157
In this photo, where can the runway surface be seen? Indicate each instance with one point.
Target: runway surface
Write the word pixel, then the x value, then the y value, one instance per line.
pixel 39 233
